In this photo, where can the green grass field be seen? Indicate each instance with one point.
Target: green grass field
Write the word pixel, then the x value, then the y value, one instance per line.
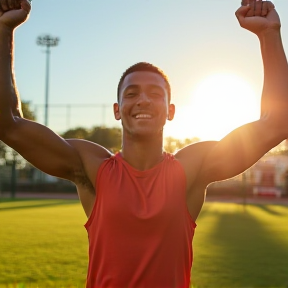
pixel 43 244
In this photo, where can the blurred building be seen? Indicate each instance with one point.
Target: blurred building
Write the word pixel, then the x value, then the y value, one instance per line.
pixel 267 178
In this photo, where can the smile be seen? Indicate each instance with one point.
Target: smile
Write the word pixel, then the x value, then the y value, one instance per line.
pixel 143 116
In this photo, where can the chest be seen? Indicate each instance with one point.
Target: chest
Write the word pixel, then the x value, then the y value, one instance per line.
pixel 138 199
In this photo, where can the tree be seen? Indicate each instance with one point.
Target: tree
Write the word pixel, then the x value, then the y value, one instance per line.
pixel 280 149
pixel 27 112
pixel 110 138
pixel 76 133
pixel 2 150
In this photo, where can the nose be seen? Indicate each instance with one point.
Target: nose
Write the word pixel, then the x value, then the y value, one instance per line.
pixel 143 99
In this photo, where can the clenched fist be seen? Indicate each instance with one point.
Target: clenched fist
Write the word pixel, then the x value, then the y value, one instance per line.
pixel 258 16
pixel 14 12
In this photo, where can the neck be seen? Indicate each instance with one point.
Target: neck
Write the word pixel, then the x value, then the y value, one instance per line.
pixel 142 153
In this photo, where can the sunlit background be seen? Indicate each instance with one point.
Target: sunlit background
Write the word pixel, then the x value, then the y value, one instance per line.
pixel 214 66
pixel 216 74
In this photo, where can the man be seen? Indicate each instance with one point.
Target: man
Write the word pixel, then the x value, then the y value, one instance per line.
pixel 142 203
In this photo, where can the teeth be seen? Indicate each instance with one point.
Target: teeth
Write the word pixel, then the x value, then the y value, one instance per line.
pixel 145 116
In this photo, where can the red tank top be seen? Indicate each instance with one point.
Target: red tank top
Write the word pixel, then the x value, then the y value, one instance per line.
pixel 140 231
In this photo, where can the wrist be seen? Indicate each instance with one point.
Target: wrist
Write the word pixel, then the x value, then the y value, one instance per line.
pixel 6 30
pixel 270 33
pixel 6 41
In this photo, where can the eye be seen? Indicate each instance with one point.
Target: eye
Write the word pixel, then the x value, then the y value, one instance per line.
pixel 131 94
pixel 156 93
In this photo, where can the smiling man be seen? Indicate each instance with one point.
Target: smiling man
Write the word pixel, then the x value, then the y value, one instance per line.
pixel 146 87
pixel 142 203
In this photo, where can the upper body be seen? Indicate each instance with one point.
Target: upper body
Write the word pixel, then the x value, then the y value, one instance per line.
pixel 143 107
pixel 146 212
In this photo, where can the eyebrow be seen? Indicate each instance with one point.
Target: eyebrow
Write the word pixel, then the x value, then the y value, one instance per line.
pixel 134 86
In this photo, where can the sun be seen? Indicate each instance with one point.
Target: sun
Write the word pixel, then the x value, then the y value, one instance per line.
pixel 219 104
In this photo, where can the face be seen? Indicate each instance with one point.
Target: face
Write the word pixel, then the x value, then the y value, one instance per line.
pixel 143 104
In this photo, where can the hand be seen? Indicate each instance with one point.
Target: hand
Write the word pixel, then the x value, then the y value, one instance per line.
pixel 258 16
pixel 14 12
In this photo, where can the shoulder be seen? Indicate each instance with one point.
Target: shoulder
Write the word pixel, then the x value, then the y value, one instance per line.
pixel 92 156
pixel 195 152
pixel 84 146
pixel 201 147
pixel 192 158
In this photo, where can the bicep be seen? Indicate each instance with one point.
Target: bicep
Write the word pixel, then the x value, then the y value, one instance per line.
pixel 236 152
pixel 43 148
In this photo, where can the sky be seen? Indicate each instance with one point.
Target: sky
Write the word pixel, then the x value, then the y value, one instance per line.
pixel 214 66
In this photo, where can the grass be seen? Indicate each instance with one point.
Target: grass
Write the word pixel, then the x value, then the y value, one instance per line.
pixel 241 247
pixel 43 244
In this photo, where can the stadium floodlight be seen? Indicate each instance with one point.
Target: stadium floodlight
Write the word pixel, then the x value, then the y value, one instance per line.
pixel 49 42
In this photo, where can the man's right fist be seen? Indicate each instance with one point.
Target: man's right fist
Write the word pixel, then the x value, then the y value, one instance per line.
pixel 14 12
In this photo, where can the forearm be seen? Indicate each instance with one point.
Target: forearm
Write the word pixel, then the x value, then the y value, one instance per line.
pixel 8 93
pixel 275 88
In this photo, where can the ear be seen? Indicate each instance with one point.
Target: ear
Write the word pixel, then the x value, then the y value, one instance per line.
pixel 116 111
pixel 171 112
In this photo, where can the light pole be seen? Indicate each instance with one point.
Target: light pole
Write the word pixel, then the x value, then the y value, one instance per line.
pixel 49 42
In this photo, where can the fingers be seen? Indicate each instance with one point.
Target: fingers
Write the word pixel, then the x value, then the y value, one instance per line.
pixel 17 4
pixel 270 5
pixel 258 7
pixel 6 5
pixel 264 10
pixel 25 5
pixel 245 2
pixel 242 12
pixel 261 8
pixel 10 4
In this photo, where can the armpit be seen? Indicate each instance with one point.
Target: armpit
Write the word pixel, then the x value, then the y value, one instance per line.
pixel 81 179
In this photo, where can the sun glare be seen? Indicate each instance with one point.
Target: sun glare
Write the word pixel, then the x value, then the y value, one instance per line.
pixel 218 105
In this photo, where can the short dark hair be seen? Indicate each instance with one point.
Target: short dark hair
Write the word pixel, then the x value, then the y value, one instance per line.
pixel 144 66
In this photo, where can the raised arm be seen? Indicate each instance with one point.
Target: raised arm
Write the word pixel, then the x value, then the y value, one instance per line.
pixel 275 68
pixel 74 160
pixel 30 139
pixel 6 54
pixel 245 145
pixel 36 143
